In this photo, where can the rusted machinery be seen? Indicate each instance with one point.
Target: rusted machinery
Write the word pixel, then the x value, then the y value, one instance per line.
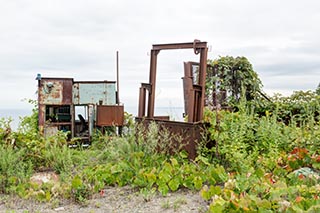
pixel 77 106
pixel 194 90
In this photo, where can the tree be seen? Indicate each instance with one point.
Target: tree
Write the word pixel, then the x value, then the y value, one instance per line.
pixel 318 89
pixel 229 78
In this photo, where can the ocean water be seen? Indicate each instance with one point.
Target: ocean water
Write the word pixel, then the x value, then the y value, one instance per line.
pixel 175 113
pixel 14 115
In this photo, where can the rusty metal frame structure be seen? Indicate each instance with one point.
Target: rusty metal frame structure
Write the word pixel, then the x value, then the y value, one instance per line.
pixel 190 132
pixel 197 93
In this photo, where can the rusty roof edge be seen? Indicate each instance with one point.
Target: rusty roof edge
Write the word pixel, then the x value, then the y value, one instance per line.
pixel 99 82
pixel 55 78
pixel 58 78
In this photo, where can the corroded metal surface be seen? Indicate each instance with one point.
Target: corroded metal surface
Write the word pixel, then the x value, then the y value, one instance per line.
pixel 108 115
pixel 57 91
pixel 183 135
pixel 52 91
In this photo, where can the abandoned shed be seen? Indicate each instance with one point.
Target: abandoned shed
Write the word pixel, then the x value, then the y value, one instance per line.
pixel 78 107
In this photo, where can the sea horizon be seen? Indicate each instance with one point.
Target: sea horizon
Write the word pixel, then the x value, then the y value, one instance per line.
pixel 175 113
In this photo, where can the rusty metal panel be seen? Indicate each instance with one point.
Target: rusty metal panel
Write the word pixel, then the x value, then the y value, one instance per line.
pixel 41 117
pixel 184 135
pixel 55 91
pixel 94 93
pixel 162 117
pixel 110 115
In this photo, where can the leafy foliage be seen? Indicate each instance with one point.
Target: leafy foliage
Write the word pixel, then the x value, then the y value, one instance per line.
pixel 298 108
pixel 231 77
pixel 272 165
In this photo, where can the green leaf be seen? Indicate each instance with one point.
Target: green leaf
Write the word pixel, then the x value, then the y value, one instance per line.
pixel 163 189
pixel 76 182
pixel 174 184
pixel 217 205
pixel 197 181
pixel 216 208
pixel 203 160
pixel 259 172
pixel 139 181
pixel 164 176
pixel 219 174
pixel 215 190
pixel 151 178
pixel 204 192
pixel 265 204
pixel 183 154
pixel 174 162
pixel 115 169
pixel 167 167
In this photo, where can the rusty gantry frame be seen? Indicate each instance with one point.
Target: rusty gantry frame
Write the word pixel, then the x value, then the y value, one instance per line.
pixel 197 93
pixel 195 90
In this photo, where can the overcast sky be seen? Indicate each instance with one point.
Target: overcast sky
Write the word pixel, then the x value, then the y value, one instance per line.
pixel 79 39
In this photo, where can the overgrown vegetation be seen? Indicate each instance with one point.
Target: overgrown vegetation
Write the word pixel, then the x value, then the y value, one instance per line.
pixel 265 158
pixel 228 78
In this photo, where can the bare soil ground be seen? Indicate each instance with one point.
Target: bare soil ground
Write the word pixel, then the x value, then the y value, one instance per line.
pixel 114 199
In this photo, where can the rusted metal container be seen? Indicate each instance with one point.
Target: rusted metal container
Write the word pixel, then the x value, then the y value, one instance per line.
pixel 108 115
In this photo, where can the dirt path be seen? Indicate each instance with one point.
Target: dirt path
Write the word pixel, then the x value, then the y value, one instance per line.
pixel 113 200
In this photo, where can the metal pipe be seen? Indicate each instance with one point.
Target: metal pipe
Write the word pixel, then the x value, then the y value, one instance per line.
pixel 118 99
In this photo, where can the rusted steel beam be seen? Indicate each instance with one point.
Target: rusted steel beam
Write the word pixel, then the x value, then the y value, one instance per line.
pixel 187 88
pixel 188 45
pixel 202 83
pixel 152 82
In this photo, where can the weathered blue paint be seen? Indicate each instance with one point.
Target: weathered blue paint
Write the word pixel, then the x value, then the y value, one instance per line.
pixel 94 93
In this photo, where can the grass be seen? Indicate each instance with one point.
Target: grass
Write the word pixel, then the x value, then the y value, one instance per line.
pixel 250 168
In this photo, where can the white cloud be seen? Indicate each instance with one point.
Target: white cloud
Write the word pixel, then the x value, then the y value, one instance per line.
pixel 79 39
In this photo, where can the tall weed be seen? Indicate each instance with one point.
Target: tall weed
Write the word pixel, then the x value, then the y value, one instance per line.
pixel 13 168
pixel 243 137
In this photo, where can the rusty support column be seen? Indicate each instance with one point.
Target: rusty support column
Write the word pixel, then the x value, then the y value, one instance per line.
pixel 188 91
pixel 142 102
pixel 202 78
pixel 152 82
pixel 187 87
